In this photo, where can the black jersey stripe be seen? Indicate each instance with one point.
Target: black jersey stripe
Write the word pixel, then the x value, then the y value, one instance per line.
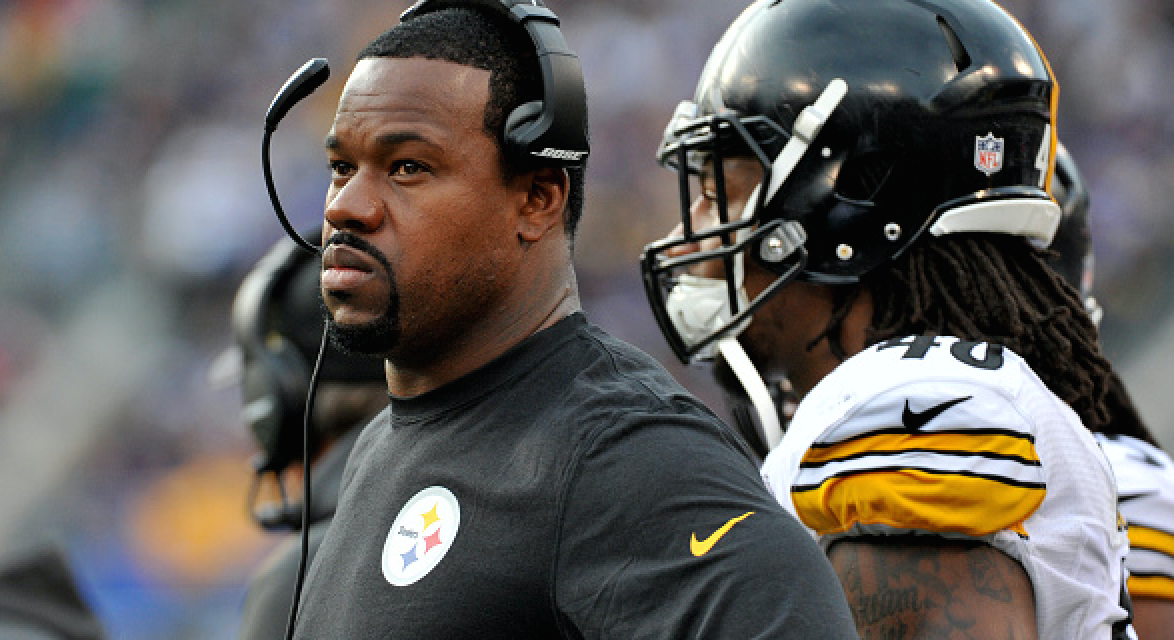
pixel 957 472
pixel 1150 574
pixel 977 431
pixel 947 452
pixel 1137 523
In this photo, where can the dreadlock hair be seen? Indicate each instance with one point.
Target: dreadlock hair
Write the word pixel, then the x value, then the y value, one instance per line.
pixel 479 38
pixel 996 288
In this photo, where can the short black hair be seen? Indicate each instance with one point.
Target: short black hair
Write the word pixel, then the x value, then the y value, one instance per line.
pixel 482 39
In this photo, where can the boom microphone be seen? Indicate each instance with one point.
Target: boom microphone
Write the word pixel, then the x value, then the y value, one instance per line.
pixel 302 83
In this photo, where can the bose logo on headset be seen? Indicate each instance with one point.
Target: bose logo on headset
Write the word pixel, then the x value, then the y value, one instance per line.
pixel 554 128
pixel 560 154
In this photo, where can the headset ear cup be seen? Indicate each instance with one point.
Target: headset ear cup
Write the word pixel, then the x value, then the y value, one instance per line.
pixel 291 380
pixel 517 125
pixel 276 374
pixel 274 390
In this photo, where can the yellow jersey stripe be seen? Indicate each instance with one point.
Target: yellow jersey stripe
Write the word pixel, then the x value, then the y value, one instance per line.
pixel 1151 539
pixel 1151 587
pixel 918 499
pixel 962 442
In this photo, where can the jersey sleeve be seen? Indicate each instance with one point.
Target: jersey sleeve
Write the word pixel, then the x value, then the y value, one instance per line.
pixel 939 437
pixel 920 435
pixel 961 472
pixel 706 552
pixel 1145 499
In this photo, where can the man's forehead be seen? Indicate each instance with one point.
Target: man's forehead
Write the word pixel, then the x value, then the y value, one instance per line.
pixel 434 98
pixel 433 83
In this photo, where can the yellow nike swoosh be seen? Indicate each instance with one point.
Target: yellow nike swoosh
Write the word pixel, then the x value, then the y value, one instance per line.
pixel 702 547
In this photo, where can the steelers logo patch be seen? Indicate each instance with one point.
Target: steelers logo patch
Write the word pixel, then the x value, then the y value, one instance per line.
pixel 422 533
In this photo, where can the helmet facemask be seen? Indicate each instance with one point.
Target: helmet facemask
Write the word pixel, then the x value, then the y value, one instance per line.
pixel 695 312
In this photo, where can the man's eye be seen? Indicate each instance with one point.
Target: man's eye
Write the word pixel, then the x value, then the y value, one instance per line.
pixel 339 168
pixel 407 168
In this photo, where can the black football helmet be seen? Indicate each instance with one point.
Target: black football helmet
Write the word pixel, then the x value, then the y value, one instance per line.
pixel 1072 244
pixel 875 122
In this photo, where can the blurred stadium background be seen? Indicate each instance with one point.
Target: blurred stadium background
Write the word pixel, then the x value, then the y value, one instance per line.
pixel 131 203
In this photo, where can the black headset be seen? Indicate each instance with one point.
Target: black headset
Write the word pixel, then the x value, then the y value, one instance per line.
pixel 550 131
pixel 274 379
pixel 275 374
pixel 553 130
pixel 275 323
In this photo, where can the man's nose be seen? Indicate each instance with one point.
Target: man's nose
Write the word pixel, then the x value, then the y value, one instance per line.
pixel 703 216
pixel 700 218
pixel 356 205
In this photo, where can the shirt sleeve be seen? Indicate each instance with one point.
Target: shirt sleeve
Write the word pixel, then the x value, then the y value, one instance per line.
pixel 669 532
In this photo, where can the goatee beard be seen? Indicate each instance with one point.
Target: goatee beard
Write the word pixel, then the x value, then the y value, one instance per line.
pixel 380 336
pixel 376 338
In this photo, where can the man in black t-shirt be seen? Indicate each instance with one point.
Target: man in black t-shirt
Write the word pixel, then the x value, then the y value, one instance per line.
pixel 533 477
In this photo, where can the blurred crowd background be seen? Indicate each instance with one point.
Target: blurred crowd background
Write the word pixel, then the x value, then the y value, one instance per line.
pixel 132 202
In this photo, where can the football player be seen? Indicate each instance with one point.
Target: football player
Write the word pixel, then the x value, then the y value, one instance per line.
pixel 872 203
pixel 1145 473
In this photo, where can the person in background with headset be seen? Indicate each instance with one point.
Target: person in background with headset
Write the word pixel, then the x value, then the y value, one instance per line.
pixel 533 476
pixel 1144 472
pixel 278 320
pixel 873 181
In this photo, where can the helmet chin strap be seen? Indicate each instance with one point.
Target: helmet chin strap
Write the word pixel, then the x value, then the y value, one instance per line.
pixel 768 414
pixel 806 127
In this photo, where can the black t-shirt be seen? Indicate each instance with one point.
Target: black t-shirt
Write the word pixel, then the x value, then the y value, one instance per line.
pixel 570 488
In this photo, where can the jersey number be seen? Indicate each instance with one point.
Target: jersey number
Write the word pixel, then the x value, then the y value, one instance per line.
pixel 963 350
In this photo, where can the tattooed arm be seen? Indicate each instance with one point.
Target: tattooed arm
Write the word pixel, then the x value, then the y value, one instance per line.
pixel 916 587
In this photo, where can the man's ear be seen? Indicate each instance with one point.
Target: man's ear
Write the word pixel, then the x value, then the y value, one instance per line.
pixel 545 203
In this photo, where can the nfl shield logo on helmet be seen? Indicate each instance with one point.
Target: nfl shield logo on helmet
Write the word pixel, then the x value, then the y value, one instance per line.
pixel 988 153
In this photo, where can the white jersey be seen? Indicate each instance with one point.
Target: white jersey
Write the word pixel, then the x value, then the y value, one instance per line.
pixel 1145 497
pixel 937 436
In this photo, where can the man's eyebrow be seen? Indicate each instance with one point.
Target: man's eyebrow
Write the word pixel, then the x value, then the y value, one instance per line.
pixel 393 139
pixel 383 140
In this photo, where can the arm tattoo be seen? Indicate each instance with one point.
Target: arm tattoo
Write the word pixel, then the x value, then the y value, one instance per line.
pixel 906 587
pixel 988 580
